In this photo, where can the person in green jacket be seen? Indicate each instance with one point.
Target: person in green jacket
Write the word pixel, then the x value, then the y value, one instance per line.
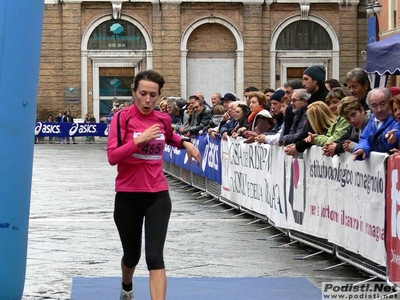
pixel 324 120
pixel 325 124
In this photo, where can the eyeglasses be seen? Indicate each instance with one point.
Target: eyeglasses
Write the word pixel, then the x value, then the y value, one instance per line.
pixel 195 107
pixel 294 100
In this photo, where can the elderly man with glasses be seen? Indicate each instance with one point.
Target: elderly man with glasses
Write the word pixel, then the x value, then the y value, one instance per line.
pixel 300 126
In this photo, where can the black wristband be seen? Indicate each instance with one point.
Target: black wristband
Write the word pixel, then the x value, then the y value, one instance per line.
pixel 185 139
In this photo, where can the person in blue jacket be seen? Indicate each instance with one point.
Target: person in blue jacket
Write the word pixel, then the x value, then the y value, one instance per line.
pixel 382 132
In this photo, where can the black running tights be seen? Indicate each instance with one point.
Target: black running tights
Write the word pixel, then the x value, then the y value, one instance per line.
pixel 130 209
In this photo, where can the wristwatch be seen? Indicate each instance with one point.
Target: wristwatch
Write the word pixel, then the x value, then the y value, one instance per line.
pixel 185 139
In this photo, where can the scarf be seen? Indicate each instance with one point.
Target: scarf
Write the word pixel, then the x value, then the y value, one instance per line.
pixel 254 114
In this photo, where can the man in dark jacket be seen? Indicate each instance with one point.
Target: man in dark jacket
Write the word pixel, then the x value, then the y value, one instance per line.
pixel 289 87
pixel 299 128
pixel 200 119
pixel 314 83
pixel 67 118
pixel 276 110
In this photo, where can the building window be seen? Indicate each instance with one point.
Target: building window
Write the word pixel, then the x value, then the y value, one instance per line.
pixel 116 35
pixel 304 35
pixel 114 83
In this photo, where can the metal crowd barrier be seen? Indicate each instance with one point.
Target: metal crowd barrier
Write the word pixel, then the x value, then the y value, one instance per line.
pixel 213 189
pixel 362 263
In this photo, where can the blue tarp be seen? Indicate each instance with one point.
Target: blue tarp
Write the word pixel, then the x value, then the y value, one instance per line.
pixel 200 288
pixel 383 57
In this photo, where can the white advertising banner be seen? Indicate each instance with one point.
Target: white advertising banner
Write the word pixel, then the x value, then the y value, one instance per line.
pixel 253 178
pixel 339 199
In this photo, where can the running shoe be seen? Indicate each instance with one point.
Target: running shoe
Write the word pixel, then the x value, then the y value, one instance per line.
pixel 126 295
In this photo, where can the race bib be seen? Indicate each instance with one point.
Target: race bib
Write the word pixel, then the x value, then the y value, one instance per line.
pixel 152 150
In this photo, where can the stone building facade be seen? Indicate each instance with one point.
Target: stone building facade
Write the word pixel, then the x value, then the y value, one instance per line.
pixel 92 49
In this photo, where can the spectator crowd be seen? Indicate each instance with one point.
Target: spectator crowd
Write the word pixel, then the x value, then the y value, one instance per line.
pixel 301 113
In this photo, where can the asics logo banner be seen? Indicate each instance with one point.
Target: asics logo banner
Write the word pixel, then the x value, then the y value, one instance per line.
pixel 71 129
pixel 46 128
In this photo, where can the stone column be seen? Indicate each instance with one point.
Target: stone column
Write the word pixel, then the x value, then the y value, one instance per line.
pixel 71 47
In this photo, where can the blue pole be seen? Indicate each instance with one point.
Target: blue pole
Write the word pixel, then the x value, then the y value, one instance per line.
pixel 20 43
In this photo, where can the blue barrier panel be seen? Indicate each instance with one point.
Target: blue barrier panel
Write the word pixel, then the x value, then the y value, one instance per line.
pixel 20 43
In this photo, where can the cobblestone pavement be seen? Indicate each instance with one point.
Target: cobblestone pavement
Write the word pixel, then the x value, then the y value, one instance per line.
pixel 72 232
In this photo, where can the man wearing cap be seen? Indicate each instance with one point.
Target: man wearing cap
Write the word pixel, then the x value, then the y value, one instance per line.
pixel 314 83
pixel 227 99
pixel 228 119
pixel 278 108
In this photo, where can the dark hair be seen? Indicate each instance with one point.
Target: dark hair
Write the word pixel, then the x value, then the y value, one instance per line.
pixel 269 90
pixel 148 75
pixel 194 97
pixel 243 120
pixel 244 108
pixel 333 83
pixel 294 84
pixel 251 89
pixel 180 103
pixel 201 102
pixel 359 74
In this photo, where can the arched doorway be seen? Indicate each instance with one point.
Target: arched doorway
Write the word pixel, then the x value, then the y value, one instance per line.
pixel 112 52
pixel 296 44
pixel 207 65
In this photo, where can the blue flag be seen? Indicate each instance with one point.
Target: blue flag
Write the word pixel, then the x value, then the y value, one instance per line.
pixel 373 30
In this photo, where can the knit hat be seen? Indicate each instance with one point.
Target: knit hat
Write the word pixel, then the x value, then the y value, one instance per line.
pixel 278 95
pixel 316 72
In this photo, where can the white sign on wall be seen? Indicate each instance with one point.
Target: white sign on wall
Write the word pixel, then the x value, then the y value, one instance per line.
pixel 210 75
